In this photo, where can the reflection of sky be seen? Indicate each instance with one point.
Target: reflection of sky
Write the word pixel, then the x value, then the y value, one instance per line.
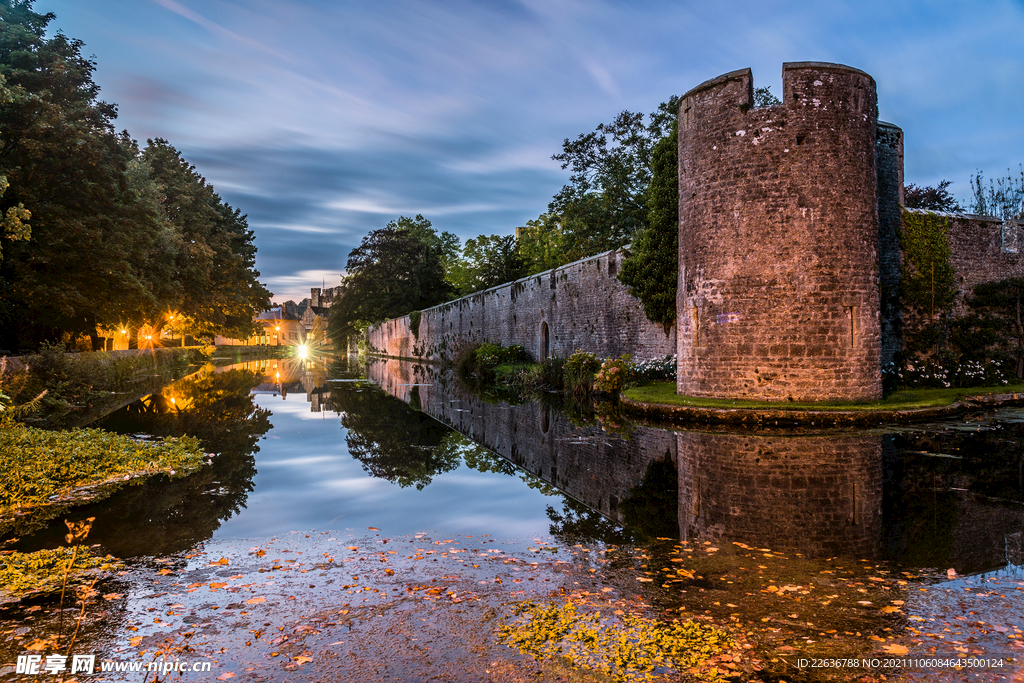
pixel 324 120
pixel 306 480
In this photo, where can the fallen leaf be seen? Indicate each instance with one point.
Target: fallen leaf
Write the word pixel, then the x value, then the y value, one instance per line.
pixel 225 676
pixel 41 644
pixel 373 528
pixel 302 660
pixel 889 609
pixel 254 601
pixel 895 649
pixel 222 560
pixel 113 596
pixel 165 572
pixel 134 642
pixel 216 585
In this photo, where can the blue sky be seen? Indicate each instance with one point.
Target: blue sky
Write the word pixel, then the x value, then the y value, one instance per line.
pixel 324 120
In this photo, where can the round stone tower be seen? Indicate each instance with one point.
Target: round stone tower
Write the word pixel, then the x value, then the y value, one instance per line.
pixel 778 238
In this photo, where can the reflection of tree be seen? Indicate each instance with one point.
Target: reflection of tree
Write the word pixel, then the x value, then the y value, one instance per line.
pixel 652 508
pixel 577 523
pixel 391 440
pixel 169 516
pixel 650 511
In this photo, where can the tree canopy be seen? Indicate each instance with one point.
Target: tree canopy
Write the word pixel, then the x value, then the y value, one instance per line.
pixel 395 270
pixel 110 241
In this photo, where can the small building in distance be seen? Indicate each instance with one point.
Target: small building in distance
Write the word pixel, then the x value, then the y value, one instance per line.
pixel 280 328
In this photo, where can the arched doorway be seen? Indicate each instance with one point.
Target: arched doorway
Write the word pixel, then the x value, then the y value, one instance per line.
pixel 545 345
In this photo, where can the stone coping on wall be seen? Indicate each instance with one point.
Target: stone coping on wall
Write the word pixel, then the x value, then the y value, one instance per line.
pixel 621 250
pixel 964 216
pixel 780 417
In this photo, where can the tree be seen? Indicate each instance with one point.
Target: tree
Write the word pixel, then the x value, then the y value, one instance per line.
pixel 604 204
pixel 392 272
pixel 931 198
pixel 213 285
pixel 491 260
pixel 541 244
pixel 87 262
pixel 1003 197
pixel 652 270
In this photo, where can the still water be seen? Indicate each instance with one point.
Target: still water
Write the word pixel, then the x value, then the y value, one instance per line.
pixel 323 445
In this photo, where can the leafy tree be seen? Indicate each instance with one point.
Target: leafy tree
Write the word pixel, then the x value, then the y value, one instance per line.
pixel 87 262
pixel 931 198
pixel 1003 197
pixel 491 260
pixel 541 244
pixel 763 97
pixel 604 204
pixel 393 271
pixel 215 283
pixel 13 225
pixel 651 272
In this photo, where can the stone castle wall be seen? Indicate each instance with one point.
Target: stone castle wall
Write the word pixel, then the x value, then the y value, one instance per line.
pixel 778 243
pixel 983 249
pixel 581 305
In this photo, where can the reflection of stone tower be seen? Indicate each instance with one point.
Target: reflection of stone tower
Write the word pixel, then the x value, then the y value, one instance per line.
pixel 778 241
pixel 820 495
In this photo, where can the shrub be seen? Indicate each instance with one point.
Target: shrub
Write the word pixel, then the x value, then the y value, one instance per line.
pixel 552 372
pixel 579 373
pixel 655 369
pixel 614 374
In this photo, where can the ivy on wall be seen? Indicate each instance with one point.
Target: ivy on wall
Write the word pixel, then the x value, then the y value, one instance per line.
pixel 927 282
pixel 414 323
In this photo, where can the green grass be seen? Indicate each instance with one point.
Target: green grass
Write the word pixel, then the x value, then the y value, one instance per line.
pixel 907 399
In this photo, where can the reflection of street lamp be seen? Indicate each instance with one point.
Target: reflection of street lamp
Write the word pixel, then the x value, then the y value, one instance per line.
pixel 278 335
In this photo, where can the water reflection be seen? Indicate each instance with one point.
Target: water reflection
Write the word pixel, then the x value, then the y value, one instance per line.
pixel 941 496
pixel 163 516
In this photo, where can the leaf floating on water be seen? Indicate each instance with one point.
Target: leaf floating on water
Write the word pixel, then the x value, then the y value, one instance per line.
pixel 164 572
pixel 255 601
pixel 216 585
pixel 135 641
pixel 889 609
pixel 373 528
pixel 113 596
pixel 644 579
pixel 221 561
pixel 302 660
pixel 225 676
pixel 895 650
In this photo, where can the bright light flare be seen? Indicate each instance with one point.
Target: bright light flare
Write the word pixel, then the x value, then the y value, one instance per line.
pixel 302 351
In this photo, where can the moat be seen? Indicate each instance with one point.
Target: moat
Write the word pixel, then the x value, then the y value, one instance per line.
pixel 808 544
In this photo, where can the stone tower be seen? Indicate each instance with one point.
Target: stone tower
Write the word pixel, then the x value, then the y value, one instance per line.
pixel 779 238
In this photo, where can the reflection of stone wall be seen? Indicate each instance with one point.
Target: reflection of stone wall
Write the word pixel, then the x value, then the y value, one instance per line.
pixel 595 468
pixel 820 495
pixel 577 306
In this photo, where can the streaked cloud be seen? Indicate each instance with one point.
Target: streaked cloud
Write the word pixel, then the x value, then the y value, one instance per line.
pixel 324 120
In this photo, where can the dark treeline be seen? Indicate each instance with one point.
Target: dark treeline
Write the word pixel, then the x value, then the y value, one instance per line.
pixel 100 233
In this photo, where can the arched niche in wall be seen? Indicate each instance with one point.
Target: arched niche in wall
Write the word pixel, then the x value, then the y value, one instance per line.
pixel 545 341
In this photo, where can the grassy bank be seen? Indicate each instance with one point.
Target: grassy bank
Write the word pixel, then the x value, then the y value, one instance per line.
pixel 664 393
pixel 42 472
